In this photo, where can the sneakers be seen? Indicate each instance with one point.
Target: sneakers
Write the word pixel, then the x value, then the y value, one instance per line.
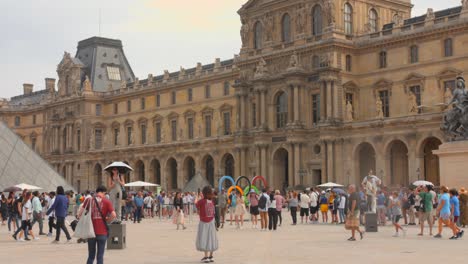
pixel 14 237
pixel 68 241
pixel 438 236
pixel 49 234
pixel 211 259
pixel 20 240
pixel 36 238
pixel 454 238
pixel 55 242
pixel 404 232
pixel 396 234
pixel 460 234
pixel 205 260
pixel 27 239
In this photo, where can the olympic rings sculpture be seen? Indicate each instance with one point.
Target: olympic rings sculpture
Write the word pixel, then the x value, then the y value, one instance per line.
pixel 235 185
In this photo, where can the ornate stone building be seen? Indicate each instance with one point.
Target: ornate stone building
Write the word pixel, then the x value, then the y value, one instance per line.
pixel 321 91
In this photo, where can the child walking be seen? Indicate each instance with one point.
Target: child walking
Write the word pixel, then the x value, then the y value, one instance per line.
pixel 395 205
pixel 207 239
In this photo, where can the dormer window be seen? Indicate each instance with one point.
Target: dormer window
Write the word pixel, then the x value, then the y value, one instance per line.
pixel 113 73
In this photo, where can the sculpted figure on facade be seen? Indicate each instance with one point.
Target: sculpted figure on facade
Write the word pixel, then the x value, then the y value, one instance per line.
pixel 329 10
pixel 349 111
pixel 448 97
pixel 269 26
pixel 430 14
pixel 300 19
pixel 412 104
pixel 294 61
pixel 182 73
pixel 87 85
pixel 123 85
pixel 245 31
pixel 136 84
pixel 379 108
pixel 261 67
pixel 132 138
pixel 397 20
pixel 455 123
pixel 91 139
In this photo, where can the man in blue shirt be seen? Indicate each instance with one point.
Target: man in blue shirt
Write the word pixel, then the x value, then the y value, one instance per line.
pixel 444 211
pixel 138 204
pixel 455 209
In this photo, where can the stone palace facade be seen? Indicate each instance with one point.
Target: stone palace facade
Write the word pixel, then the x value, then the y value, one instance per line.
pixel 321 91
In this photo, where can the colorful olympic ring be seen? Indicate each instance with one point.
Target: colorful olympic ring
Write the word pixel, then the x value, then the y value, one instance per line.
pixel 251 187
pixel 258 177
pixel 243 177
pixel 231 189
pixel 221 181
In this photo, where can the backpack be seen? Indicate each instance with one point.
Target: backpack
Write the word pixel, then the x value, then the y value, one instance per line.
pixel 262 202
pixel 15 205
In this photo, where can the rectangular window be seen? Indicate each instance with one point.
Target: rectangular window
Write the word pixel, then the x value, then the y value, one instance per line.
pixel 414 54
pixel 158 100
pixel 448 48
pixel 98 138
pixel 158 132
pixel 174 130
pixel 254 115
pixel 129 136
pixel 383 59
pixel 143 103
pixel 190 127
pixel 17 121
pixel 315 108
pixel 416 90
pixel 116 136
pixel 190 94
pixel 207 91
pixel 385 97
pixel 227 123
pixel 226 88
pixel 143 134
pixel 449 85
pixel 113 73
pixel 129 106
pixel 116 109
pixel 349 98
pixel 33 144
pixel 98 110
pixel 173 97
pixel 34 119
pixel 208 126
pixel 78 140
pixel 348 63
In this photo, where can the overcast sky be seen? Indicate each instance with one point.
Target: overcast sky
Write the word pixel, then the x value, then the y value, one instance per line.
pixel 156 34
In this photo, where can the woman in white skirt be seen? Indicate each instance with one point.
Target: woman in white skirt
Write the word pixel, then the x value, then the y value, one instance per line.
pixel 207 239
pixel 240 211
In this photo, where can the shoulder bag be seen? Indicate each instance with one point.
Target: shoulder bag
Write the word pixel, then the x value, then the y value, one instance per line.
pixel 84 228
pixel 102 216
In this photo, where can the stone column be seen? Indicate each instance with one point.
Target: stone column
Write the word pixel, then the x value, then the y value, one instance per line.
pixel 296 105
pixel 57 139
pixel 329 106
pixel 323 96
pixel 291 169
pixel 237 163
pixel 324 162
pixel 258 160
pixel 290 105
pixel 263 108
pixel 330 159
pixel 147 169
pixel 258 109
pixel 242 112
pixel 243 163
pixel 238 113
pixel 297 163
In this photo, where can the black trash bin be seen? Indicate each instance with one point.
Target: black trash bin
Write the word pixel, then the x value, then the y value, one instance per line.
pixel 117 236
pixel 371 222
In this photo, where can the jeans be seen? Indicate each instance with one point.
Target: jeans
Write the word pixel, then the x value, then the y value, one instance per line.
pixel 272 218
pixel 20 228
pixel 100 242
pixel 38 219
pixel 61 226
pixel 51 224
pixel 137 216
pixel 342 215
pixel 280 217
pixel 294 214
pixel 13 218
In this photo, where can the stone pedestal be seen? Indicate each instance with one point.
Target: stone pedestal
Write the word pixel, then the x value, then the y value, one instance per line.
pixel 453 160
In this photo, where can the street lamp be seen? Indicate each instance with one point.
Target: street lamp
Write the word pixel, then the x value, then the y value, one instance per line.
pixel 302 173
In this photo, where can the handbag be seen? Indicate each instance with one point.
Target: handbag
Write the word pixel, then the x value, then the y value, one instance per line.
pixel 102 216
pixel 85 229
pixel 124 193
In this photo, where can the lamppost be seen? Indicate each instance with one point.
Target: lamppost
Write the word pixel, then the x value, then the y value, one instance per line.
pixel 302 173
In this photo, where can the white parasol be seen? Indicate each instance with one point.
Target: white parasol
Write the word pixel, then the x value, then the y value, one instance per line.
pixel 422 183
pixel 121 166
pixel 141 184
pixel 24 186
pixel 330 185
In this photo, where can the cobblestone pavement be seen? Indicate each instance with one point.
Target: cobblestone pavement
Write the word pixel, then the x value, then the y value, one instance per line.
pixel 156 241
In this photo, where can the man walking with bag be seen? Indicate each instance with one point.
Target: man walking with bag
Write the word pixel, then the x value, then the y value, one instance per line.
pixel 37 212
pixel 102 213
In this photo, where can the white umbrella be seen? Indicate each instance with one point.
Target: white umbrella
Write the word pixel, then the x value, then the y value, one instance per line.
pixel 330 185
pixel 121 166
pixel 141 184
pixel 422 183
pixel 24 186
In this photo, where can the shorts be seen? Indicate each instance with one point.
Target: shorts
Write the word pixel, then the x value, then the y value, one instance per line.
pixel 313 210
pixel 426 216
pixel 254 210
pixel 324 208
pixel 445 216
pixel 304 211
pixel 396 219
pixel 26 224
pixel 334 211
pixel 455 219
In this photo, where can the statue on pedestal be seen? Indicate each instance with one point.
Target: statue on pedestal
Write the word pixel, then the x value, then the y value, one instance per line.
pixel 245 31
pixel 349 111
pixel 412 104
pixel 370 184
pixel 379 108
pixel 455 123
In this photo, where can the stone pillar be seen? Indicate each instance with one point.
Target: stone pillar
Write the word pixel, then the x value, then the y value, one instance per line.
pixel 237 163
pixel 291 169
pixel 290 105
pixel 258 107
pixel 57 139
pixel 242 113
pixel 243 163
pixel 297 163
pixel 147 169
pixel 323 97
pixel 329 106
pixel 296 104
pixel 324 162
pixel 330 159
pixel 238 113
pixel 264 108
pixel 258 160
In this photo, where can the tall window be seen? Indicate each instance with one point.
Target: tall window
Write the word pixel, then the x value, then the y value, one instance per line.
pixel 316 108
pixel 17 121
pixel 158 100
pixel 208 126
pixel 448 47
pixel 226 88
pixel 98 109
pixel 173 97
pixel 190 94
pixel 315 62
pixel 98 138
pixel 33 144
pixel 258 35
pixel 254 115
pixel 207 91
pixel 348 19
pixel 227 123
pixel 78 140
pixel 143 134
pixel 158 132
pixel 129 106
pixel 286 28
pixel 384 96
pixel 116 109
pixel 383 59
pixel 414 56
pixel 129 135
pixel 190 127
pixel 116 136
pixel 34 119
pixel 317 20
pixel 174 130
pixel 348 63
pixel 416 90
pixel 143 103
pixel 373 21
pixel 449 85
pixel 281 110
pixel 349 98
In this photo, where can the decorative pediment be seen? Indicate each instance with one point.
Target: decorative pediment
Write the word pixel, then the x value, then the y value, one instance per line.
pixel 142 120
pixel 414 77
pixel 157 118
pixel 207 111
pixel 115 125
pixel 128 122
pixel 189 113
pixel 350 86
pixel 172 115
pixel 68 62
pixel 225 108
pixel 448 73
pixel 383 83
pixel 252 4
pixel 98 125
pixel 33 135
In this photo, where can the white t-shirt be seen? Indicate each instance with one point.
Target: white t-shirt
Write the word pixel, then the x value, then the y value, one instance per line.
pixel 342 204
pixel 305 200
pixel 26 216
pixel 313 199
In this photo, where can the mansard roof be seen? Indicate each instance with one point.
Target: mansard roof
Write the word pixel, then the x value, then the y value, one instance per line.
pixel 419 19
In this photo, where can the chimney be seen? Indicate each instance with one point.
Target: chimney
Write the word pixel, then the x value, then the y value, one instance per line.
pixel 27 89
pixel 50 84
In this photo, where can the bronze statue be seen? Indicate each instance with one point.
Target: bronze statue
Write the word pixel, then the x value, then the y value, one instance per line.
pixel 455 122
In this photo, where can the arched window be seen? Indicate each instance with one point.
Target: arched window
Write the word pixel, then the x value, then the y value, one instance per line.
pixel 317 20
pixel 258 36
pixel 373 20
pixel 286 28
pixel 281 110
pixel 348 19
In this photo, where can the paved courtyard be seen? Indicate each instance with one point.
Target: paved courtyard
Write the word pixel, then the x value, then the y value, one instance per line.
pixel 155 241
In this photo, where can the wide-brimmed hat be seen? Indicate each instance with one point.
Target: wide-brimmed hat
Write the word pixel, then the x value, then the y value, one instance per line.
pixel 252 191
pixel 462 190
